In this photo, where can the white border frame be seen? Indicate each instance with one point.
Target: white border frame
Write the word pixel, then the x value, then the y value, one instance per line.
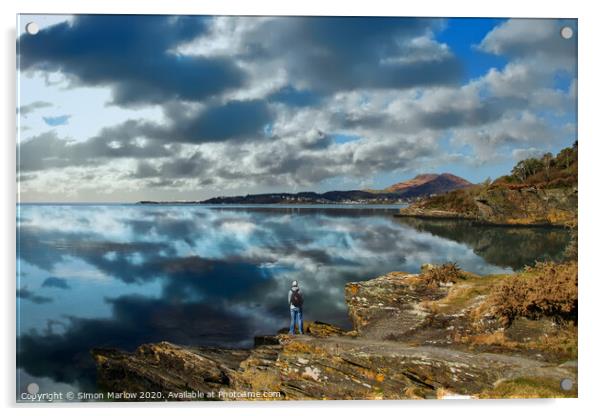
pixel 590 70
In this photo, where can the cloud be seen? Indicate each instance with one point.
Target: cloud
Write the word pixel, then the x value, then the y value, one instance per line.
pixel 521 154
pixel 65 357
pixel 57 121
pixel 193 166
pixel 340 53
pixel 47 150
pixel 232 120
pixel 241 290
pixel 56 282
pixel 133 55
pixel 539 57
pixel 293 97
pixel 27 109
pixel 392 84
pixel 534 39
pixel 328 54
pixel 25 293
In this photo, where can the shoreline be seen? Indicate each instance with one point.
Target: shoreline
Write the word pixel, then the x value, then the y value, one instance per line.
pixel 414 336
pixel 482 223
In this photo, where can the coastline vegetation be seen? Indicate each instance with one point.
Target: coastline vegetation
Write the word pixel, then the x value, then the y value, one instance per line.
pixel 546 172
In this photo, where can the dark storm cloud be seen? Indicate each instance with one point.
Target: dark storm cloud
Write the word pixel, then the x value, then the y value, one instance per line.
pixel 347 53
pixel 56 282
pixel 486 111
pixel 25 293
pixel 185 167
pixel 132 55
pixel 47 151
pixel 214 123
pixel 233 120
pixel 294 97
pixel 136 59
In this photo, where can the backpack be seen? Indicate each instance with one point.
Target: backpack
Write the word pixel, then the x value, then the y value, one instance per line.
pixel 297 299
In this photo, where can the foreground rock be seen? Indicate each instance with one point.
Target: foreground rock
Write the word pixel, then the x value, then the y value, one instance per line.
pixel 310 368
pixel 414 336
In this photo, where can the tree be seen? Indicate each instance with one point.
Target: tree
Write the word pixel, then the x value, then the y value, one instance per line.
pixel 526 168
pixel 547 160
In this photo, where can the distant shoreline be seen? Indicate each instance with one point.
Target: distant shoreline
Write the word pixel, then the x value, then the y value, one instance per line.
pixel 392 206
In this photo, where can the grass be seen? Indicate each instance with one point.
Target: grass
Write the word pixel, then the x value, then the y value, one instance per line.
pixel 490 305
pixel 465 293
pixel 528 388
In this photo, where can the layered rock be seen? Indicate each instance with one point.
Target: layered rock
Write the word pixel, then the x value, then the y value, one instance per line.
pixel 303 367
pixel 528 206
pixel 413 337
pixel 389 305
pixel 504 206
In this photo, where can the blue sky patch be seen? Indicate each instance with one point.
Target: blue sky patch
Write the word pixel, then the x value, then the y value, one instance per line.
pixel 57 121
pixel 463 35
pixel 340 138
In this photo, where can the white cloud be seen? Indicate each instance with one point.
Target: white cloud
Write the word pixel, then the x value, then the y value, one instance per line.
pixel 493 117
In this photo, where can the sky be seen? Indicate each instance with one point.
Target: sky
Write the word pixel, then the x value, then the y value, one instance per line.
pixel 126 108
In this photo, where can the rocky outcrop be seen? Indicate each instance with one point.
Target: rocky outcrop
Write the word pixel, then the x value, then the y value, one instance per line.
pixel 167 368
pixel 412 337
pixel 390 305
pixel 503 206
pixel 303 367
pixel 528 206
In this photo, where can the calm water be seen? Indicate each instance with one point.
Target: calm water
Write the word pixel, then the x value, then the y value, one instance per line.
pixel 122 275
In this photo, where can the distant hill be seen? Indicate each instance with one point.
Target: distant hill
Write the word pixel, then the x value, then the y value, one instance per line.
pixel 332 197
pixel 422 185
pixel 428 184
pixel 538 191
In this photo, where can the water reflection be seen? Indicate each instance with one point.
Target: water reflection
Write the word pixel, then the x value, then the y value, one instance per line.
pixel 119 276
pixel 512 247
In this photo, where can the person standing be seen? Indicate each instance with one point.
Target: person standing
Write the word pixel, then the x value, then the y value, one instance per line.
pixel 295 302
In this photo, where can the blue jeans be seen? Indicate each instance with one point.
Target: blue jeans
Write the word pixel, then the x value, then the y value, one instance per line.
pixel 296 317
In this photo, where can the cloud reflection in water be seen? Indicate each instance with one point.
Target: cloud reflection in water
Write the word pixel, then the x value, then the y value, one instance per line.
pixel 217 276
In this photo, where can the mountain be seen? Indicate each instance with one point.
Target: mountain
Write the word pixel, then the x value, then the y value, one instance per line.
pixel 422 185
pixel 538 191
pixel 428 184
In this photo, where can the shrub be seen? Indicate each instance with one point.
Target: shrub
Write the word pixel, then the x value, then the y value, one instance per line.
pixel 546 289
pixel 459 200
pixel 445 273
